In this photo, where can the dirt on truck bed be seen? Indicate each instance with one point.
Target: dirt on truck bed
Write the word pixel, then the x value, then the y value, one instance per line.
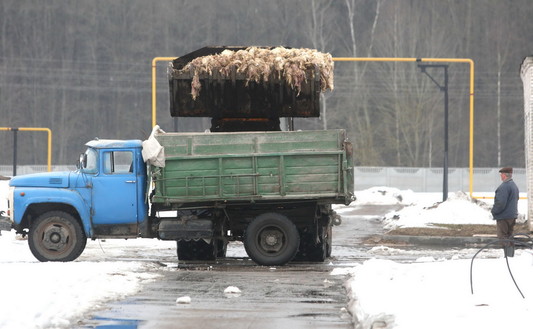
pixel 252 82
pixel 262 65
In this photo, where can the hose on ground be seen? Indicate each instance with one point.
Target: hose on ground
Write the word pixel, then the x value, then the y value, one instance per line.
pixel 520 240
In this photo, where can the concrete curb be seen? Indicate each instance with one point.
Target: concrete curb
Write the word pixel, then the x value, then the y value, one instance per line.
pixel 438 241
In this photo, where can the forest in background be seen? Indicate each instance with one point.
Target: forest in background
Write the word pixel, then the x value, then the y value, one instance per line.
pixel 83 69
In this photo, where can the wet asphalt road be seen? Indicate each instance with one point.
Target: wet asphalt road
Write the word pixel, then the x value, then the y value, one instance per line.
pixel 298 295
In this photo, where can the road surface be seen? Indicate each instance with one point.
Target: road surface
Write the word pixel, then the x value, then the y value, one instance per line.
pixel 298 295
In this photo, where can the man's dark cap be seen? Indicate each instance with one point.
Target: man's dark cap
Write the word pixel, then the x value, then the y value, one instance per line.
pixel 507 170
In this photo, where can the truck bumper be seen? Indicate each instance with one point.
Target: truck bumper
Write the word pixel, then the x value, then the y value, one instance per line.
pixel 5 224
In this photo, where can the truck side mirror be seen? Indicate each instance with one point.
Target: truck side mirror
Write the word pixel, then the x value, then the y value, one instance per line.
pixel 82 161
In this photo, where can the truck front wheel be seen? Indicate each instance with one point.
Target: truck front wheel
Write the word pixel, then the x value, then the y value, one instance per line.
pixel 271 239
pixel 56 236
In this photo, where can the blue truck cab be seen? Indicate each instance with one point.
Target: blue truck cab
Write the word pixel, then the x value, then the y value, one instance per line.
pixel 104 198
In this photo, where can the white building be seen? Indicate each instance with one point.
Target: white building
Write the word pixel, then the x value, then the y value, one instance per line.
pixel 526 73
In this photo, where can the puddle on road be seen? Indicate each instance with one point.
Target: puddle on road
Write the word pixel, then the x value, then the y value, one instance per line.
pixel 329 301
pixel 110 323
pixel 313 315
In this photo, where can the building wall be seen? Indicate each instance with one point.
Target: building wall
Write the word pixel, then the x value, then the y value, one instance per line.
pixel 431 179
pixel 526 73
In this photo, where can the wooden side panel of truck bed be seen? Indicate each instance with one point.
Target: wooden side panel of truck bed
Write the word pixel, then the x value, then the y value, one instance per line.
pixel 202 167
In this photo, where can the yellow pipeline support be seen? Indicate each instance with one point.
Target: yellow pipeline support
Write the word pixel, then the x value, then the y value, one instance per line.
pixel 440 60
pixel 47 130
pixel 154 85
pixel 370 59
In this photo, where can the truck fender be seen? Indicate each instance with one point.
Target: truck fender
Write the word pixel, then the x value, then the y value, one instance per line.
pixel 27 197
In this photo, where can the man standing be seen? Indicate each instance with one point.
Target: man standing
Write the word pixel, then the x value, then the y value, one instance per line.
pixel 505 209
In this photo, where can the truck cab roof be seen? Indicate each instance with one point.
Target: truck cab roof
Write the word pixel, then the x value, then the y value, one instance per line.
pixel 114 143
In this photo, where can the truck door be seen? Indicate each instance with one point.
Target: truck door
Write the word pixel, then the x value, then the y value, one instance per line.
pixel 115 195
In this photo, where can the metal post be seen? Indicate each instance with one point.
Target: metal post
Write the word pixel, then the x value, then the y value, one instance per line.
pixel 445 90
pixel 14 151
pixel 445 174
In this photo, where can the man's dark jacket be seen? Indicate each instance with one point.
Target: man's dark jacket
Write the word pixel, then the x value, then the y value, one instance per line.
pixel 506 200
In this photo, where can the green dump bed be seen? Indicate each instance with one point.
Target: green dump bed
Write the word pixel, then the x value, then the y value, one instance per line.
pixel 252 166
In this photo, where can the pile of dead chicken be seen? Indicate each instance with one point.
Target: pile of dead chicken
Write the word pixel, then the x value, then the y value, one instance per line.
pixel 294 65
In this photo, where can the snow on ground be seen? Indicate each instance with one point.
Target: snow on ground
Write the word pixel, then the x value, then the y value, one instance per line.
pixel 458 209
pixel 385 195
pixel 425 209
pixel 56 295
pixel 436 293
pixel 428 293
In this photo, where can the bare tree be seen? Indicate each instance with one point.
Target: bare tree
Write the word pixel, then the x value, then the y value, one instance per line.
pixel 83 70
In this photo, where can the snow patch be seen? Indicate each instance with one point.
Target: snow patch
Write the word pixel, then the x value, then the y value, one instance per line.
pixel 183 300
pixel 232 291
pixel 459 208
pixel 386 294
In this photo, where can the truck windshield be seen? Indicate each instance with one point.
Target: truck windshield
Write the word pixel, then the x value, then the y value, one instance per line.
pixel 91 157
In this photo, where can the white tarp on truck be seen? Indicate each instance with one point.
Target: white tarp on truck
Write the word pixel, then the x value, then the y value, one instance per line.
pixel 153 153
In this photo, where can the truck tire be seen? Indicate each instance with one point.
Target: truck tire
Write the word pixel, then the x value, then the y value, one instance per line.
pixel 56 236
pixel 310 250
pixel 196 250
pixel 222 248
pixel 271 239
pixel 329 241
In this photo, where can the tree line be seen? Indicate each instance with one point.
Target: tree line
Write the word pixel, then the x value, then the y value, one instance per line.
pixel 83 69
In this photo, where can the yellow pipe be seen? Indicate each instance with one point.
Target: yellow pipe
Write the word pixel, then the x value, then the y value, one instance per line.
pixel 371 59
pixel 154 85
pixel 491 197
pixel 445 60
pixel 47 130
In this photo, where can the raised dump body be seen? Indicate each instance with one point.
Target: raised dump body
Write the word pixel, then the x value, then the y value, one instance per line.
pixel 252 166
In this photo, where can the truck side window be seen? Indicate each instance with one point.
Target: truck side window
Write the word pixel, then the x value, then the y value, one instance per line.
pixel 118 162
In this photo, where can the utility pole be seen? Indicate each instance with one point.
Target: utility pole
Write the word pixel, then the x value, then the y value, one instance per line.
pixel 443 88
pixel 15 130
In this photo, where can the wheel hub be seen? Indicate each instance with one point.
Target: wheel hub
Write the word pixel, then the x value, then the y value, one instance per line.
pixel 54 238
pixel 271 240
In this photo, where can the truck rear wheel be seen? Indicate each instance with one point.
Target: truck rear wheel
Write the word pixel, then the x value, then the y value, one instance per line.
pixel 329 241
pixel 56 236
pixel 310 250
pixel 222 248
pixel 196 250
pixel 271 239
